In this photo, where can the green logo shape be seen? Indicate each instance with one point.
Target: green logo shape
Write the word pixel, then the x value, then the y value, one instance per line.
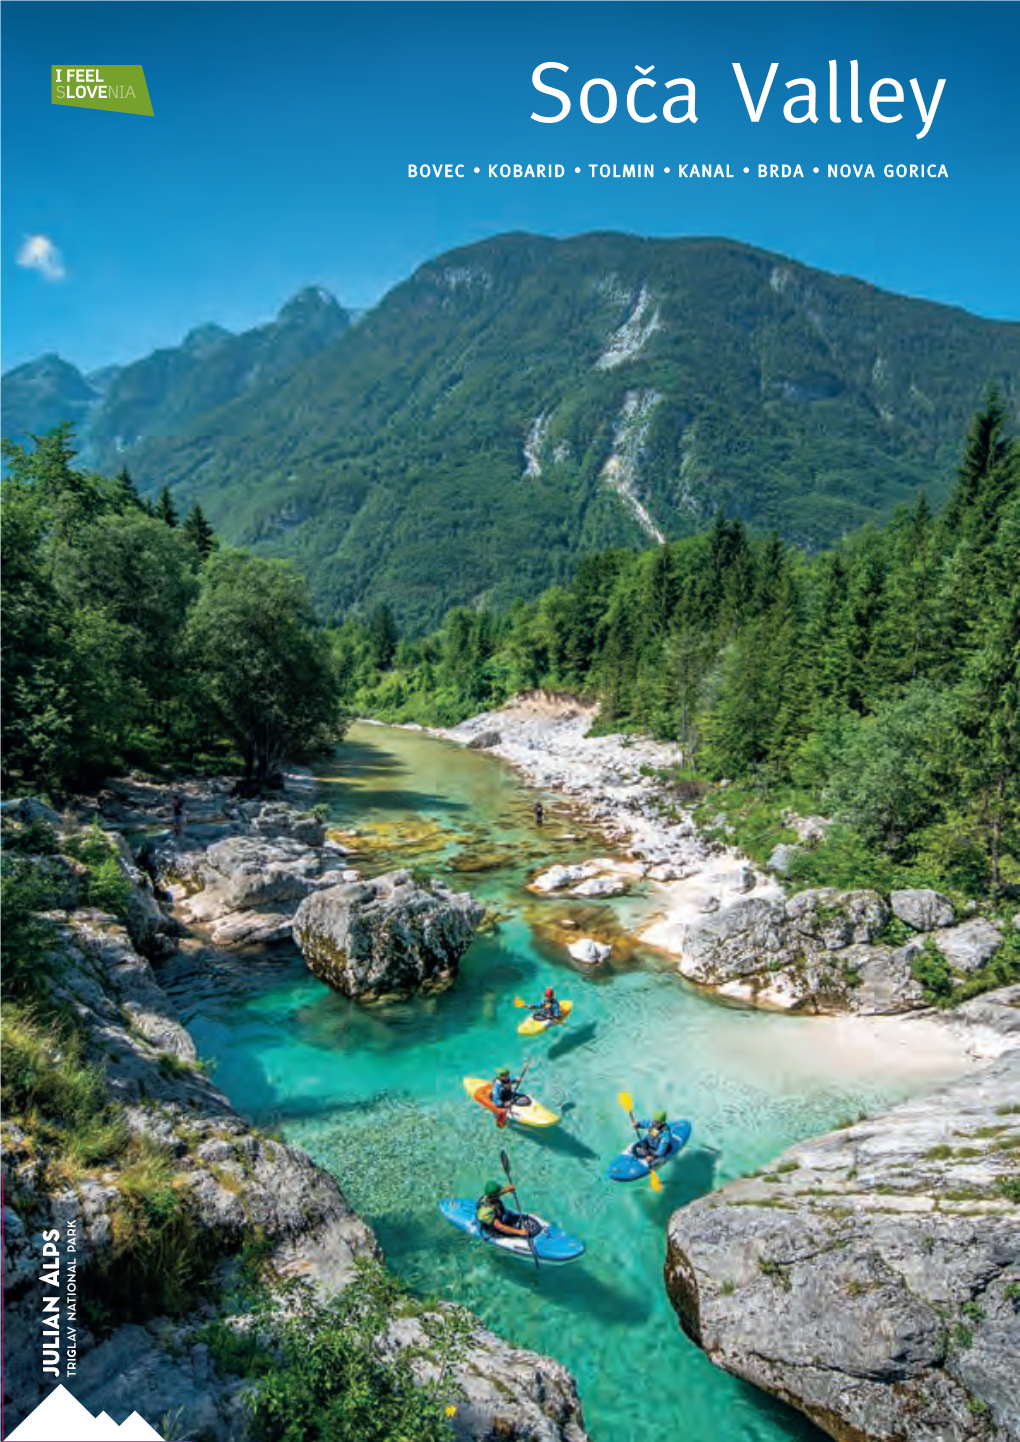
pixel 101 87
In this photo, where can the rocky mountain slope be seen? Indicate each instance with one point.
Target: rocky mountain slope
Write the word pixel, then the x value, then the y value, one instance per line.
pixel 522 401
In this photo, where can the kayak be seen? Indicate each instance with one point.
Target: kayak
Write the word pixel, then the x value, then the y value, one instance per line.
pixel 525 1109
pixel 630 1168
pixel 534 1025
pixel 550 1242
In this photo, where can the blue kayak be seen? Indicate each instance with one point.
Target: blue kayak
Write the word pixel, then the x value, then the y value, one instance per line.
pixel 550 1242
pixel 630 1168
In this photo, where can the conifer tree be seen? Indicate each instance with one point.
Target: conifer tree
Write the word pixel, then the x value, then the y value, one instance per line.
pixel 125 493
pixel 198 531
pixel 165 510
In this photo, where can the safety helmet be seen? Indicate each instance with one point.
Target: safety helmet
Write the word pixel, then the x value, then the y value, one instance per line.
pixel 549 991
pixel 659 1116
pixel 492 1187
pixel 503 1071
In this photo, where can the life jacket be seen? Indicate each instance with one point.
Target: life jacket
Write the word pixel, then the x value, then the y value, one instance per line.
pixel 489 1210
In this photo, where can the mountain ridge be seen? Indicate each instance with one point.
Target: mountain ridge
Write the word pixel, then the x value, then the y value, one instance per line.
pixel 521 401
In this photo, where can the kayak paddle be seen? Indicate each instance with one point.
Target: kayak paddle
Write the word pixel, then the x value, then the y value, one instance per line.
pixel 520 1210
pixel 524 1073
pixel 627 1102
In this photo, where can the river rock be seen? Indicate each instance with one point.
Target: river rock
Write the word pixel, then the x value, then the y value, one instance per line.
pixel 279 820
pixel 484 740
pixel 389 936
pixel 814 952
pixel 867 1278
pixel 922 908
pixel 558 877
pixel 600 886
pixel 590 952
pixel 250 928
pixel 970 945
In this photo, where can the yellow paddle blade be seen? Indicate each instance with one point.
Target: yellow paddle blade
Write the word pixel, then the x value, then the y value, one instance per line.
pixel 626 1101
pixel 519 1002
pixel 653 1177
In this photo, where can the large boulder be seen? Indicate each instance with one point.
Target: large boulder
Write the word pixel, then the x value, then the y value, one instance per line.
pixel 869 1278
pixel 922 908
pixel 969 946
pixel 816 951
pixel 389 937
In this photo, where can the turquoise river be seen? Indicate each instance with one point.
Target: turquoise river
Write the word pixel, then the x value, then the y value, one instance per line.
pixel 376 1094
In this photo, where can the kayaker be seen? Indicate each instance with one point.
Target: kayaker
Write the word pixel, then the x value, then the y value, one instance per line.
pixel 657 1139
pixel 549 1009
pixel 493 1215
pixel 504 1088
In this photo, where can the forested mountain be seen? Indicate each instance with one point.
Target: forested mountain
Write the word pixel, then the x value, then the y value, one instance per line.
pixel 524 401
pixel 113 409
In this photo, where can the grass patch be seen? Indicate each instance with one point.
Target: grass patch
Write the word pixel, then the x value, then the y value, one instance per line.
pixel 775 1271
pixel 1009 1187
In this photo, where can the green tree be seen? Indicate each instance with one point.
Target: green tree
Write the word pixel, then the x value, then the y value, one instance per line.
pixel 125 493
pixel 199 532
pixel 165 510
pixel 264 666
pixel 383 634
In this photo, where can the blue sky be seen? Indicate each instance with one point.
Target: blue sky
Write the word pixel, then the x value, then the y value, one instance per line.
pixel 278 152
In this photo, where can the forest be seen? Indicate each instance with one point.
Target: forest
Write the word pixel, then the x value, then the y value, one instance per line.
pixel 876 681
pixel 131 639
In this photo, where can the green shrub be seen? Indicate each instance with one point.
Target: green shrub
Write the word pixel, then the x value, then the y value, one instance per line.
pixel 106 885
pixel 319 1370
pixel 931 969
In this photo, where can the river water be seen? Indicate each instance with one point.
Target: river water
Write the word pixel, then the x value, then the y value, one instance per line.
pixel 376 1094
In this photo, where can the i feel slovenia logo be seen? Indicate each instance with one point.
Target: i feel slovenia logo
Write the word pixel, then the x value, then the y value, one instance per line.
pixel 101 87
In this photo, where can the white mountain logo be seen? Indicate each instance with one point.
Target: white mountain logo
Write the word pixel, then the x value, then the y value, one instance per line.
pixel 62 1418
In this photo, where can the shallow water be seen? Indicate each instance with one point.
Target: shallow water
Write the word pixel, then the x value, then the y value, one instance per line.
pixel 375 1094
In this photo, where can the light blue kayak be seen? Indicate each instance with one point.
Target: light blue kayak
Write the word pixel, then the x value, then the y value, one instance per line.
pixel 550 1242
pixel 630 1168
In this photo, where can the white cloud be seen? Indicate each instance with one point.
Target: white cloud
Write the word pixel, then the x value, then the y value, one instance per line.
pixel 39 253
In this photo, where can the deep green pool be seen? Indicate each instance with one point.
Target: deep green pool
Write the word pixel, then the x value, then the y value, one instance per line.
pixel 376 1095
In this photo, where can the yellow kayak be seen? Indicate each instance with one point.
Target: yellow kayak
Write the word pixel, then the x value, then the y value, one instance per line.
pixel 533 1025
pixel 525 1110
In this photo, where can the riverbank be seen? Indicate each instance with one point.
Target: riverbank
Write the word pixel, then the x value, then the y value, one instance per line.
pixel 869 1277
pixel 699 891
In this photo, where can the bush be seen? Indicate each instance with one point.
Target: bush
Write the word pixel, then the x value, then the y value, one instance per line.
pixel 324 1373
pixel 931 969
pixel 106 885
